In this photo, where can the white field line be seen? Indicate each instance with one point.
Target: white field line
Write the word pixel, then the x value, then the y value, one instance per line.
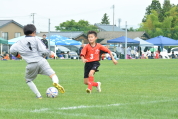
pixel 114 105
pixel 84 107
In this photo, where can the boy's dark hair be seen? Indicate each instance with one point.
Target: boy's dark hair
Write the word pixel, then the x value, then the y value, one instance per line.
pixel 29 29
pixel 44 34
pixel 92 32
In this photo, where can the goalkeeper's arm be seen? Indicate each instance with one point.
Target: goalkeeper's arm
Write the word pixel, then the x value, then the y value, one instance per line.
pixel 13 50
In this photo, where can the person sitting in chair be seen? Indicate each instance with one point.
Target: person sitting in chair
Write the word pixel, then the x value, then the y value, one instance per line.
pixel 173 56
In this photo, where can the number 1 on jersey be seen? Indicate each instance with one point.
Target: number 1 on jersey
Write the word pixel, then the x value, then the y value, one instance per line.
pixel 91 56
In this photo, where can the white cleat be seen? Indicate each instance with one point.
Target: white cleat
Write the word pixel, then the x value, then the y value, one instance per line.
pixel 99 87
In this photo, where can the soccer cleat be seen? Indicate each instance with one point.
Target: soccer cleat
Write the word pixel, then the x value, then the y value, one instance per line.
pixel 59 87
pixel 39 97
pixel 88 90
pixel 99 87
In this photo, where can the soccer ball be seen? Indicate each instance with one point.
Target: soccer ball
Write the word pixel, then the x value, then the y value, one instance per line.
pixel 52 92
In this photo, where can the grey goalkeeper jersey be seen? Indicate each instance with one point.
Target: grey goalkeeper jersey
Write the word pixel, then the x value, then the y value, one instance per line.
pixel 30 49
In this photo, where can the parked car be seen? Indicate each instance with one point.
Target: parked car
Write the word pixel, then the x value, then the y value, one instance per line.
pixel 175 50
pixel 73 55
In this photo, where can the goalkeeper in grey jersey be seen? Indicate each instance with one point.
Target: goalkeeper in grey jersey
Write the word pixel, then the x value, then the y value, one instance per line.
pixel 31 50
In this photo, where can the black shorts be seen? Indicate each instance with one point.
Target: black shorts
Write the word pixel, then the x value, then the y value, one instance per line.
pixel 90 66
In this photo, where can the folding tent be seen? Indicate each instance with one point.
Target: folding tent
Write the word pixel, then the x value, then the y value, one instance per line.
pixel 2 41
pixel 60 40
pixel 163 41
pixel 14 40
pixel 143 42
pixel 122 40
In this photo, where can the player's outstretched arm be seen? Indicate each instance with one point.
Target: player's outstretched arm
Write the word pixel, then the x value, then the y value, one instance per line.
pixel 83 59
pixel 114 61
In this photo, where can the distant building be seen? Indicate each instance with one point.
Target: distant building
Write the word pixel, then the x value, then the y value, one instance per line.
pixel 103 36
pixel 76 35
pixel 10 29
pixel 107 27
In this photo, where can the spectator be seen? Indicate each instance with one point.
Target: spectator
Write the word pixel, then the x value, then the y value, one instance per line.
pixel 152 55
pixel 1 57
pixel 6 57
pixel 10 56
pixel 136 55
pixel 140 51
pixel 45 41
pixel 46 44
pixel 129 51
pixel 157 55
pixel 149 54
pixel 173 56
pixel 61 56
pixel 122 52
pixel 14 58
pixel 135 51
pixel 80 49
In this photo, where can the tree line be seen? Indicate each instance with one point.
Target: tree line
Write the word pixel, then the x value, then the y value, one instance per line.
pixel 161 20
pixel 158 20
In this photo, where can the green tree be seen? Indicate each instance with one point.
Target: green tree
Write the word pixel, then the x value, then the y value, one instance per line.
pixel 174 23
pixel 72 25
pixel 131 29
pixel 166 25
pixel 155 5
pixel 105 19
pixel 166 7
pixel 152 24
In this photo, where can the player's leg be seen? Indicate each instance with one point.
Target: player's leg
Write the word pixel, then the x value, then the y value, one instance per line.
pixel 45 69
pixel 91 76
pixel 33 88
pixel 90 81
pixel 56 84
pixel 87 69
pixel 31 73
pixel 85 81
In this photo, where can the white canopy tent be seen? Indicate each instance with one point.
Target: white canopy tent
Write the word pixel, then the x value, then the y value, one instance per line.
pixel 143 43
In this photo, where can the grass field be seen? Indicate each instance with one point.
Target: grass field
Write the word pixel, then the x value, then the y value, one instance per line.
pixel 133 89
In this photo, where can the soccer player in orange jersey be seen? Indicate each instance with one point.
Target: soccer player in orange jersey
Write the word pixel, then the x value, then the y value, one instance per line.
pixel 90 55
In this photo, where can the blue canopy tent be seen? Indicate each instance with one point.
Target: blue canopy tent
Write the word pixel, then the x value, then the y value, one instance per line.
pixel 71 44
pixel 67 42
pixel 61 40
pixel 163 41
pixel 122 40
pixel 14 40
pixel 55 38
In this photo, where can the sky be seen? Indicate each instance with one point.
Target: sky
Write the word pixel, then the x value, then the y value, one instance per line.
pixel 58 11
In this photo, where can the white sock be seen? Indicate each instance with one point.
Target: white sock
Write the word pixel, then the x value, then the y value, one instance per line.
pixel 33 88
pixel 55 79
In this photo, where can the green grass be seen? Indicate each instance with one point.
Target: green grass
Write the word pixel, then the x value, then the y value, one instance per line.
pixel 133 89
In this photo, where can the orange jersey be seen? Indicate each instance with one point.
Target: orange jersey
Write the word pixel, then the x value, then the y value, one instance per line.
pixel 93 53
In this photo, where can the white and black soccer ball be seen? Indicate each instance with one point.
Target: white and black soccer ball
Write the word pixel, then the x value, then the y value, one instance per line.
pixel 52 92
